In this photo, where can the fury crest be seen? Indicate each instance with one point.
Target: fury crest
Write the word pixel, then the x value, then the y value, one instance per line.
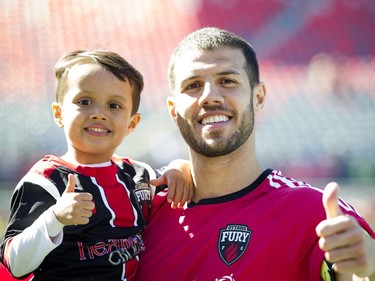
pixel 232 243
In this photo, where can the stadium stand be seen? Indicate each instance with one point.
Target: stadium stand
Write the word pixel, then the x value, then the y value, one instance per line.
pixel 317 58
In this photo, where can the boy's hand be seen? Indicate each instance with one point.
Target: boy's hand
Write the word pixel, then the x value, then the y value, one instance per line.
pixel 179 181
pixel 346 245
pixel 73 207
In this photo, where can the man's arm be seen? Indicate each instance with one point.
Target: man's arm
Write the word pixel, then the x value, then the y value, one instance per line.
pixel 350 277
pixel 346 244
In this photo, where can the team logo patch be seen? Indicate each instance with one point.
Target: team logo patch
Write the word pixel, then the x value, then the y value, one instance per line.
pixel 232 243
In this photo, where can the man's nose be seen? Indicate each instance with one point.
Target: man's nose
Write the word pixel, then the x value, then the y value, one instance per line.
pixel 211 95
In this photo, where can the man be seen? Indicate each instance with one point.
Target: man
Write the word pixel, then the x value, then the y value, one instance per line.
pixel 245 222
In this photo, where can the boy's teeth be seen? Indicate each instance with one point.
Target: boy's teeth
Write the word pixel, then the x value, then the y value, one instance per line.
pixel 214 119
pixel 97 130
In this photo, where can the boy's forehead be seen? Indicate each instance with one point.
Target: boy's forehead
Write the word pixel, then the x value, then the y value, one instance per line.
pixel 92 77
pixel 81 71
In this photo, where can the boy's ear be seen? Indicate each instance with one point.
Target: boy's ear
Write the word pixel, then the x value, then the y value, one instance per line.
pixel 171 108
pixel 134 122
pixel 57 115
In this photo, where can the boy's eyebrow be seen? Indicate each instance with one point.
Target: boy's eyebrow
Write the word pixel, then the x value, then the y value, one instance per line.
pixel 89 92
pixel 120 97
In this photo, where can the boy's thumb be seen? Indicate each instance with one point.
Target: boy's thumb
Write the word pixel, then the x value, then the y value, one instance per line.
pixel 71 184
pixel 159 181
pixel 331 200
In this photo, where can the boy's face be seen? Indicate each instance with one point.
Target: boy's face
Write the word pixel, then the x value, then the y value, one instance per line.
pixel 95 113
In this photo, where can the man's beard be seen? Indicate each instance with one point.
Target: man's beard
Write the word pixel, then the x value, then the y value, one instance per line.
pixel 218 147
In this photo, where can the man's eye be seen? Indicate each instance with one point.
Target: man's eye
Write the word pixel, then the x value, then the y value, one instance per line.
pixel 84 102
pixel 192 86
pixel 114 106
pixel 227 81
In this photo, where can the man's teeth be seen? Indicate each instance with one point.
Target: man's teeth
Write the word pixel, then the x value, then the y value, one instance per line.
pixel 97 130
pixel 214 119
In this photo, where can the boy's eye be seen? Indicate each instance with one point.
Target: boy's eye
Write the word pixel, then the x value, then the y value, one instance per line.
pixel 84 102
pixel 114 106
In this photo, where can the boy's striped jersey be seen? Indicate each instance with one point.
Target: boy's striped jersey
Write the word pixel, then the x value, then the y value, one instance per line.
pixel 107 247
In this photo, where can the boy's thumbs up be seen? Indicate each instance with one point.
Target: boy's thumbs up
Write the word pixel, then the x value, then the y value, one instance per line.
pixel 331 200
pixel 71 184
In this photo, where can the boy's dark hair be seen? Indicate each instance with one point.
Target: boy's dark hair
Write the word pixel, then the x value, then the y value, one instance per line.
pixel 109 60
pixel 211 38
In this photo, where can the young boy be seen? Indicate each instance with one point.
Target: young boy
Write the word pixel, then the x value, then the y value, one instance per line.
pixel 80 216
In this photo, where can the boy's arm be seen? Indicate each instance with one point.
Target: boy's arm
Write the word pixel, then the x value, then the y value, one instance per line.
pixel 176 175
pixel 27 237
pixel 25 252
pixel 180 184
pixel 29 241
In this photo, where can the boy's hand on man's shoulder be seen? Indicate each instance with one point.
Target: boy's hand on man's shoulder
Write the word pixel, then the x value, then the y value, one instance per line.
pixel 178 178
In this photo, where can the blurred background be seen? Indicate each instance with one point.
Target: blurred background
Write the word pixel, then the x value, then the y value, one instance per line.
pixel 317 58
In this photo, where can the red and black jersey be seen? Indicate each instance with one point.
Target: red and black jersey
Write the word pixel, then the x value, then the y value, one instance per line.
pixel 107 247
pixel 265 231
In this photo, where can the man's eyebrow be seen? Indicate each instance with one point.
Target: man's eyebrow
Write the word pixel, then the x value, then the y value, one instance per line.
pixel 228 72
pixel 222 73
pixel 192 77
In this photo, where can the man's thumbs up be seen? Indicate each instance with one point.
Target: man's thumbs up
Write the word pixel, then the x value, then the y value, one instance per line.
pixel 332 210
pixel 331 200
pixel 346 245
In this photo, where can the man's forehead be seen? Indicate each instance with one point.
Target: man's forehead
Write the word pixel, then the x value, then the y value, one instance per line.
pixel 193 61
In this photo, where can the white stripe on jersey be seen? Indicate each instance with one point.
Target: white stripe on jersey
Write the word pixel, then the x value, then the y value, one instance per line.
pixel 123 274
pixel 277 175
pixel 149 169
pixel 135 213
pixel 40 180
pixel 104 198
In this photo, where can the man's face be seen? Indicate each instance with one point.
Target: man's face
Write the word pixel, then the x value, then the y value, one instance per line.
pixel 212 102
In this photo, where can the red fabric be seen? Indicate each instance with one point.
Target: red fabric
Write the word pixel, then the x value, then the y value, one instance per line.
pixel 6 276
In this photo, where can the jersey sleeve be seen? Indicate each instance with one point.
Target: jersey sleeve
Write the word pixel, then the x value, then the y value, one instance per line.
pixel 326 272
pixel 349 210
pixel 26 241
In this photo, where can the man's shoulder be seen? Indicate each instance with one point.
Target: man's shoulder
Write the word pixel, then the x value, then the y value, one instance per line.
pixel 283 185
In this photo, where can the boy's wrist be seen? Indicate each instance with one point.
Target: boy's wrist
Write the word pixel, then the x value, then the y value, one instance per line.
pixel 54 227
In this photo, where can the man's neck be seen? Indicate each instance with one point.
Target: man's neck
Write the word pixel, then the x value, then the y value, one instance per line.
pixel 218 176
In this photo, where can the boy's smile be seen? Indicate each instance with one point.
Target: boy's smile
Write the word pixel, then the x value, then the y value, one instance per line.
pixel 95 113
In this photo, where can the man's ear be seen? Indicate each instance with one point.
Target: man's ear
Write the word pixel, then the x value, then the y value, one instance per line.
pixel 134 121
pixel 172 107
pixel 57 114
pixel 259 97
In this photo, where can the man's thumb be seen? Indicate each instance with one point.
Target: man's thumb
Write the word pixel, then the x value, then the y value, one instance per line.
pixel 331 200
pixel 71 184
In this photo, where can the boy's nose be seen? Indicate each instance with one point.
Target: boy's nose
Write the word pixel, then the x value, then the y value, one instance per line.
pixel 99 112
